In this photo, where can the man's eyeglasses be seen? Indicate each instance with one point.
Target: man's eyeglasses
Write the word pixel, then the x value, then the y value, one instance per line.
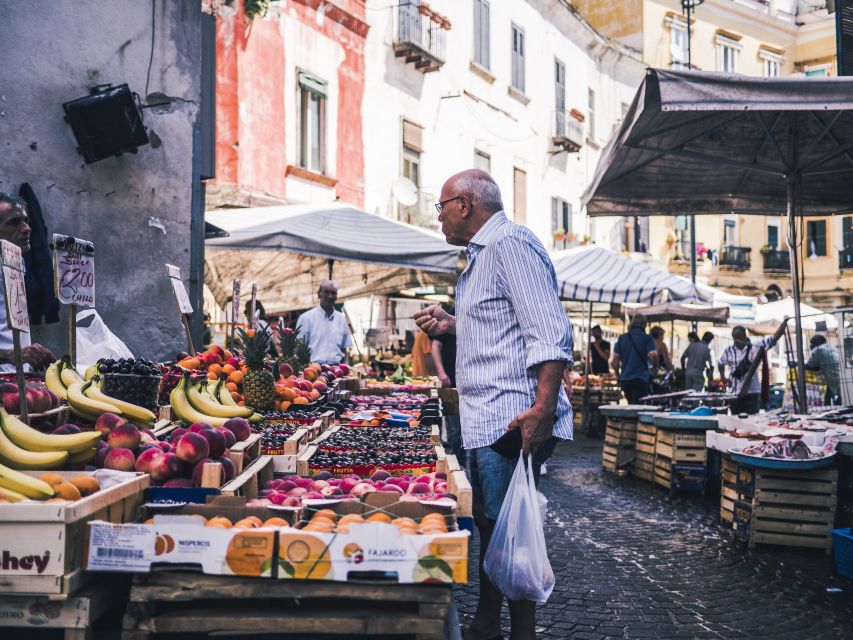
pixel 439 206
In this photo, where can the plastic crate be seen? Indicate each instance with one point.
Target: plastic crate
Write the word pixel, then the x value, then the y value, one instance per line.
pixel 843 541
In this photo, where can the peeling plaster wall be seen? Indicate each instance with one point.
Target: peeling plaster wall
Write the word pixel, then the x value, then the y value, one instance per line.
pixel 54 52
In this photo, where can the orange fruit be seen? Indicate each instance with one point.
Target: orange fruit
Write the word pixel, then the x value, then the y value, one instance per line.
pixel 212 376
pixel 284 405
pixel 226 355
pixel 52 478
pixel 301 400
pixel 219 522
pixel 314 394
pixel 231 386
pixel 227 368
pixel 87 485
pixel 329 514
pixel 240 403
pixel 404 522
pixel 379 517
pixel 236 377
pixel 66 491
pixel 275 522
pixel 250 333
pixel 214 368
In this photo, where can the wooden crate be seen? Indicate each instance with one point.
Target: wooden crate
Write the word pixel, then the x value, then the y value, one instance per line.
pixel 242 453
pixel 680 460
pixel 251 480
pixel 728 491
pixel 165 602
pixel 644 463
pixel 620 443
pixel 74 614
pixel 460 486
pixel 59 529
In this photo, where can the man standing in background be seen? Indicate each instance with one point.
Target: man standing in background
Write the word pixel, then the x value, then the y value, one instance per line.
pixel 634 352
pixel 600 352
pixel 325 328
pixel 824 358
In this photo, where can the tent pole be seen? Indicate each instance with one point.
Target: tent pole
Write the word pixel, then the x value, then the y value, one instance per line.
pixel 587 412
pixel 795 290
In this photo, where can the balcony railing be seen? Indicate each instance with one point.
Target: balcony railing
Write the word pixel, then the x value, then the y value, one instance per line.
pixel 567 134
pixel 422 214
pixel 845 258
pixel 419 35
pixel 735 257
pixel 776 260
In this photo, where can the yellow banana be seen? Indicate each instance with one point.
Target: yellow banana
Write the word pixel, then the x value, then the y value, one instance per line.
pixel 136 414
pixel 203 403
pixel 69 375
pixel 28 438
pixel 24 484
pixel 82 457
pixel 91 371
pixel 224 395
pixel 182 408
pixel 11 496
pixel 19 458
pixel 53 381
pixel 86 407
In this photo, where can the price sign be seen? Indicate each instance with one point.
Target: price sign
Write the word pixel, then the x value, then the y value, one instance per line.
pixel 74 270
pixel 253 320
pixel 14 289
pixel 181 295
pixel 235 309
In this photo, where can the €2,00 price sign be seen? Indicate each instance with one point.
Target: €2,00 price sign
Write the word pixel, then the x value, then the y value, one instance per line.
pixel 14 289
pixel 74 270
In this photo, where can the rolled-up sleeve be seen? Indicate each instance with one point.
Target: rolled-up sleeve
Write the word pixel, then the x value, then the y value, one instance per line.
pixel 528 280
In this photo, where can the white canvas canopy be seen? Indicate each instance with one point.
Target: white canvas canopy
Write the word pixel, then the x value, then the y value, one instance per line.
pixel 769 316
pixel 288 250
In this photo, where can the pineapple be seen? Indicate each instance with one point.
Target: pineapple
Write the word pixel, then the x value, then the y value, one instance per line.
pixel 293 349
pixel 258 383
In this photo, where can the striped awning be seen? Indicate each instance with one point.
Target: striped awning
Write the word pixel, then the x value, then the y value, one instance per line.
pixel 596 274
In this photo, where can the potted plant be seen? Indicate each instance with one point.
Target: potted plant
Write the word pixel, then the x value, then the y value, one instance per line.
pixel 559 234
pixel 766 249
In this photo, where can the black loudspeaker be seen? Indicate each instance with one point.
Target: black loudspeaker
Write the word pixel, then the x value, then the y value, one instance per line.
pixel 106 123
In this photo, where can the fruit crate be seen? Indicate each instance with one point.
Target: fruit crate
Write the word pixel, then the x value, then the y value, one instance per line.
pixel 644 463
pixel 249 482
pixel 54 533
pixel 680 460
pixel 728 491
pixel 242 453
pixel 843 551
pixel 785 507
pixel 164 602
pixel 305 467
pixel 620 443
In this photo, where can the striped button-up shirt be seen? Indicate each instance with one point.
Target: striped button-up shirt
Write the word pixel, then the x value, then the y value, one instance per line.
pixel 732 358
pixel 508 320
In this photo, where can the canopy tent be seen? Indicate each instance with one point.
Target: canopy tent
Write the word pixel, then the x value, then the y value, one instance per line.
pixel 695 142
pixel 769 316
pixel 672 311
pixel 596 274
pixel 288 250
pixel 741 308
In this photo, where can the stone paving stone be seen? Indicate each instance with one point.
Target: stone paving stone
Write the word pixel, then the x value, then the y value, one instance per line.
pixel 632 561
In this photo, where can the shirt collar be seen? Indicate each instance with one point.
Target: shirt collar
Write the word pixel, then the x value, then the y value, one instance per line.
pixel 322 312
pixel 489 231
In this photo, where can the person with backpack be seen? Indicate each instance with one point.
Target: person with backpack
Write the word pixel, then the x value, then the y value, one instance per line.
pixel 633 354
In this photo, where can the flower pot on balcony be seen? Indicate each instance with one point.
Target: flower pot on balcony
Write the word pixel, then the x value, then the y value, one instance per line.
pixel 424 9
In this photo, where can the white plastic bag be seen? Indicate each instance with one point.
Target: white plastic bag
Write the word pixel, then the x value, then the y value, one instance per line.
pixel 96 341
pixel 517 560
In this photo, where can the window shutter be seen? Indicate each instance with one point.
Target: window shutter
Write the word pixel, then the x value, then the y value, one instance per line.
pixel 484 34
pixel 555 218
pixel 312 83
pixel 519 196
pixel 413 136
pixel 844 36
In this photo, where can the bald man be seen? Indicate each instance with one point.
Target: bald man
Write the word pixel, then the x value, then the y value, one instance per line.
pixel 513 341
pixel 325 329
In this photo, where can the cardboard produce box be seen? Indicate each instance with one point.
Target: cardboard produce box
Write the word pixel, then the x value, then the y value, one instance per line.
pixel 42 544
pixel 377 550
pixel 177 536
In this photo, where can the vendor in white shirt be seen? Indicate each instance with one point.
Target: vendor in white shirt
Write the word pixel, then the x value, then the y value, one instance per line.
pixel 14 229
pixel 325 329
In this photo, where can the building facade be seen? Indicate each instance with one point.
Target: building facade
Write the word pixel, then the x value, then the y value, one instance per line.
pixel 527 90
pixel 743 254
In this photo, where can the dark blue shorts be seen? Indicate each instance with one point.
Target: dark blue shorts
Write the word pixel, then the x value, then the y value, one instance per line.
pixel 490 474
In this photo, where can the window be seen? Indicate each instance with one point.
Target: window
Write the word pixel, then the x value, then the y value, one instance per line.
pixel 847 232
pixel 412 148
pixel 678 45
pixel 728 47
pixel 559 98
pixel 591 113
pixel 729 233
pixel 312 135
pixel 816 238
pixel 481 33
pixel 817 70
pixel 482 161
pixel 773 236
pixel 519 195
pixel 518 58
pixel 561 215
pixel 771 68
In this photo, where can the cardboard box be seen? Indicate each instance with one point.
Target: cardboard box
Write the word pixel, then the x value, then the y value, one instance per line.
pixel 178 537
pixel 42 544
pixel 377 550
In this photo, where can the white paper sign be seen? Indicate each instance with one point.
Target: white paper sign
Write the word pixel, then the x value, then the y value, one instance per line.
pixel 253 320
pixel 74 270
pixel 14 289
pixel 235 309
pixel 183 299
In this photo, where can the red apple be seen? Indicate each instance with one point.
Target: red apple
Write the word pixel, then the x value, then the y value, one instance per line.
pixel 8 387
pixel 106 422
pixel 380 474
pixel 318 485
pixel 286 485
pixel 120 460
pixel 331 491
pixel 276 497
pixel 239 427
pixel 418 488
pixel 347 485
pixel 192 447
pixel 124 436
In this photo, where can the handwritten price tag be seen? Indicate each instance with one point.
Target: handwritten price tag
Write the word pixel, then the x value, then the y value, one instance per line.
pixel 180 290
pixel 235 310
pixel 74 270
pixel 14 289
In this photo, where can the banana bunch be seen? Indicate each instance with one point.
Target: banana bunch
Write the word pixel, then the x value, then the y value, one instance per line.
pixel 16 486
pixel 193 403
pixel 22 447
pixel 220 392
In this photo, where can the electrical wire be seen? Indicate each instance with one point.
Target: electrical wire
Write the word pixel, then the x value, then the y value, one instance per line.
pixel 151 53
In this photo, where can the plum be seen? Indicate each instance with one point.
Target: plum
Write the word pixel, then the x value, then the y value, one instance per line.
pixel 66 429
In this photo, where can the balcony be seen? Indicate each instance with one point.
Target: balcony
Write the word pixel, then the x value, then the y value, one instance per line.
pixel 419 35
pixel 845 258
pixel 422 214
pixel 776 261
pixel 567 134
pixel 735 258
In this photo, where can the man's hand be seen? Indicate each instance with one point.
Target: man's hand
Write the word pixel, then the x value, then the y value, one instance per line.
pixel 37 356
pixel 435 321
pixel 537 427
pixel 445 380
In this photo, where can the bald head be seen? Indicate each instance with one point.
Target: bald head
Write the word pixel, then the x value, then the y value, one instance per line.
pixel 468 199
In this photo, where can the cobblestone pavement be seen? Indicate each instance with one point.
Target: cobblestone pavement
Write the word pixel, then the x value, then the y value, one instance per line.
pixel 633 562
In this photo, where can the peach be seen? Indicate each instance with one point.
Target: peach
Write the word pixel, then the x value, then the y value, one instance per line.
pixel 143 462
pixel 215 441
pixel 54 399
pixel 12 403
pixel 239 427
pixel 66 429
pixel 198 472
pixel 196 427
pixel 332 492
pixel 297 492
pixel 418 488
pixel 321 386
pixel 285 370
pixel 40 400
pixel 177 433
pixel 230 438
pixel 380 474
pixel 291 501
pixel 124 436
pixel 192 447
pixel 165 466
pixel 119 459
pixel 106 422
pixel 228 467
pixel 361 488
pixel 178 483
pixel 318 485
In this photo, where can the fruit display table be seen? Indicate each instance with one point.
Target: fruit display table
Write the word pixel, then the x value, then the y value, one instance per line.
pixel 620 436
pixel 680 451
